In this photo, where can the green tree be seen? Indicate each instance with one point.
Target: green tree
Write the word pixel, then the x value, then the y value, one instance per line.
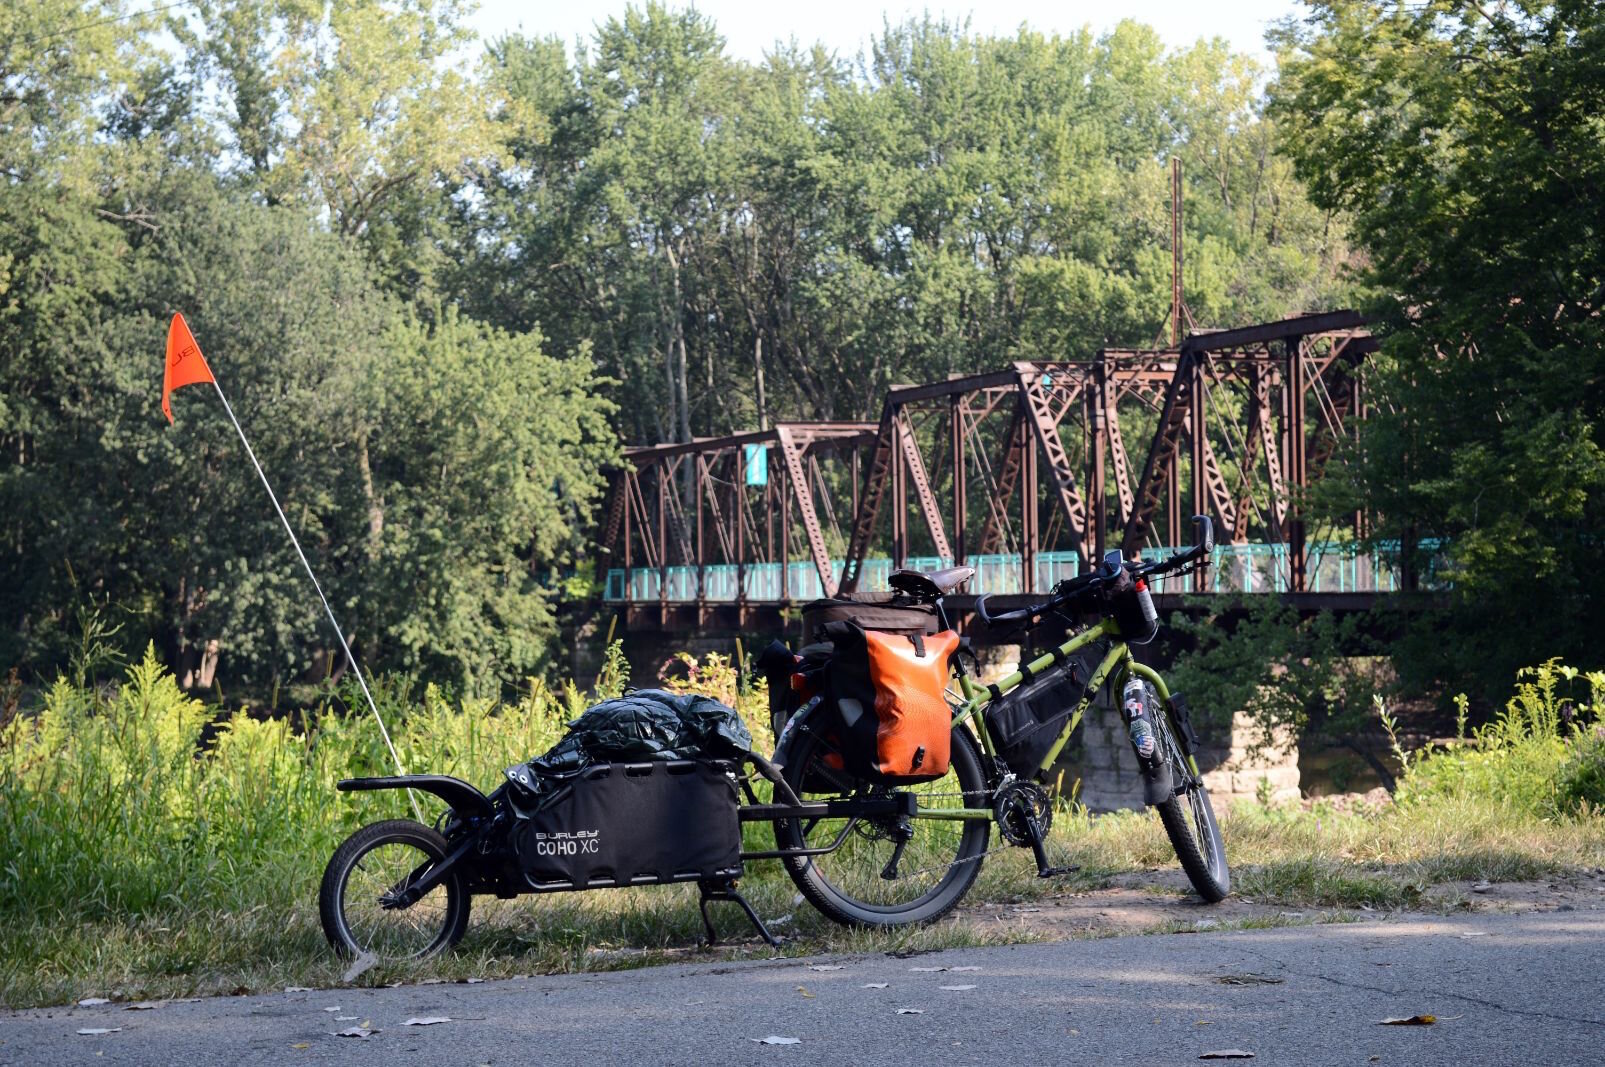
pixel 487 455
pixel 1464 141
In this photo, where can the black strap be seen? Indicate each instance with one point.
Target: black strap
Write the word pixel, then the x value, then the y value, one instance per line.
pixel 994 692
pixel 919 645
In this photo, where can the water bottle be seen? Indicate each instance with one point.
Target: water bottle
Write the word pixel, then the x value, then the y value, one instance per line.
pixel 1134 702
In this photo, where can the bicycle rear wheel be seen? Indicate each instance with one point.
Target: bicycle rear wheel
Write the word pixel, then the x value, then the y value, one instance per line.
pixel 1189 819
pixel 937 867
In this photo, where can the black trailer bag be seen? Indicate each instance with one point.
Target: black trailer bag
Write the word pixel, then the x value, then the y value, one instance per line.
pixel 620 824
pixel 888 613
pixel 1027 721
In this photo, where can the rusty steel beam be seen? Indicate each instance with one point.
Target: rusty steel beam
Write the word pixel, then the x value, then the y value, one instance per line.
pixel 960 490
pixel 1015 442
pixel 615 510
pixel 1159 470
pixel 792 453
pixel 1255 438
pixel 1223 341
pixel 1039 408
pixel 869 504
pixel 922 487
pixel 1297 460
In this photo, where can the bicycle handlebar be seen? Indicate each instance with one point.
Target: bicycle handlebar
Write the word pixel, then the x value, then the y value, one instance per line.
pixel 1073 589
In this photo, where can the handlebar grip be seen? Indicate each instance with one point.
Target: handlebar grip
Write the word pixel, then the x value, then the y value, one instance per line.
pixel 1019 615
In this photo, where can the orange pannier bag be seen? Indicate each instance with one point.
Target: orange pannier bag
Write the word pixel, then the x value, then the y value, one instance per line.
pixel 895 723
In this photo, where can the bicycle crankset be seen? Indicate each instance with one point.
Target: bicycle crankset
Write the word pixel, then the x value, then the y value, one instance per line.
pixel 1024 814
pixel 1018 805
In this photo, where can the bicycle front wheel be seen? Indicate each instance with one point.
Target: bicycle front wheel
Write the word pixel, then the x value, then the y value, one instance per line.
pixel 853 884
pixel 1189 820
pixel 369 868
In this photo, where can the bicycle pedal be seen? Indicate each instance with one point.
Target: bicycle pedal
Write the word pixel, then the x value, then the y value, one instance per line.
pixel 1054 872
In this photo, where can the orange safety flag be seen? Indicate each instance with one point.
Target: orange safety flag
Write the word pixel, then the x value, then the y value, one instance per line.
pixel 185 364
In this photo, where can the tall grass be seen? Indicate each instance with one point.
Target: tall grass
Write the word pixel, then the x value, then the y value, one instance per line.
pixel 143 800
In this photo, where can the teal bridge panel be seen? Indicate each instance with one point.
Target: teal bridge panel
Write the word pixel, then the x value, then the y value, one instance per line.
pixel 1334 567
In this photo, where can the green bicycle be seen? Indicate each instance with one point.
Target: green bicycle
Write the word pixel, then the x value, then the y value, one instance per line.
pixel 917 864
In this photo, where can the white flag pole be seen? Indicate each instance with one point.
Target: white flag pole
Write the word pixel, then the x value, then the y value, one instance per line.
pixel 346 648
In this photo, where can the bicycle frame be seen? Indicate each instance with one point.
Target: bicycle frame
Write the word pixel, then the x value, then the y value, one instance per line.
pixel 1118 663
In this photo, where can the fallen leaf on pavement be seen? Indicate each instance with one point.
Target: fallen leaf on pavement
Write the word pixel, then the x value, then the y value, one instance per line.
pixel 469 981
pixel 302 1044
pixel 355 1031
pixel 1412 1020
pixel 144 1005
pixel 345 1018
pixel 911 1011
pixel 298 989
pixel 827 967
pixel 1227 1054
pixel 96 1031
pixel 429 1020
pixel 359 966
pixel 873 985
pixel 772 1039
pixel 927 970
pixel 90 1002
pixel 804 991
pixel 1481 887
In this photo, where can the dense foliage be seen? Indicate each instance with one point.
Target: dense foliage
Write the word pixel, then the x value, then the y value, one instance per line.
pixel 743 243
pixel 441 280
pixel 1464 141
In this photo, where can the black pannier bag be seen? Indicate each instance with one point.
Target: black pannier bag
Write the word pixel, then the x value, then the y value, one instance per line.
pixel 621 824
pixel 1027 721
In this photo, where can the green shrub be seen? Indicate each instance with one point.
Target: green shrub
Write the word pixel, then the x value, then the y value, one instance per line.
pixel 1582 779
pixel 1524 758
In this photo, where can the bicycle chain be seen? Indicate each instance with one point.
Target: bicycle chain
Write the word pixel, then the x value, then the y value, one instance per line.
pixel 973 859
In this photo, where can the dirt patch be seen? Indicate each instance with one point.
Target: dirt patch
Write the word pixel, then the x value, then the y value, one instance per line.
pixel 1576 890
pixel 1162 901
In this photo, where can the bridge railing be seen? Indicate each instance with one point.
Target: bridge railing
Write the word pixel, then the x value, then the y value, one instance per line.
pixel 1334 567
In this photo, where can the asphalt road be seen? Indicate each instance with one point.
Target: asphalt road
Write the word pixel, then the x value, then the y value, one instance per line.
pixel 1505 989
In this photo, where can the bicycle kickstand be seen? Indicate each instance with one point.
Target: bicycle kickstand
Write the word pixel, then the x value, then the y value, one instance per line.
pixel 1040 851
pixel 726 891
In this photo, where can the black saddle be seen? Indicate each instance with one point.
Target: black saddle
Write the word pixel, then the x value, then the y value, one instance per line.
pixel 930 583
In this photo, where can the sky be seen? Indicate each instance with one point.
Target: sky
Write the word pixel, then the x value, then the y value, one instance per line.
pixel 751 27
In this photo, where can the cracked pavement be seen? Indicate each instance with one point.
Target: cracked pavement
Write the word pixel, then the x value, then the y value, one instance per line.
pixel 1506 989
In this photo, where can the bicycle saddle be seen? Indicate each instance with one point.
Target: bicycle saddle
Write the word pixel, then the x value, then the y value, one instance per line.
pixel 930 583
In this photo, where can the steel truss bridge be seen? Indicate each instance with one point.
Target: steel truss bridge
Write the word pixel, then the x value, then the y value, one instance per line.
pixel 1027 473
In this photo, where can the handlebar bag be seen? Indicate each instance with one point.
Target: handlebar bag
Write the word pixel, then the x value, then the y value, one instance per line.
pixel 895 724
pixel 1133 609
